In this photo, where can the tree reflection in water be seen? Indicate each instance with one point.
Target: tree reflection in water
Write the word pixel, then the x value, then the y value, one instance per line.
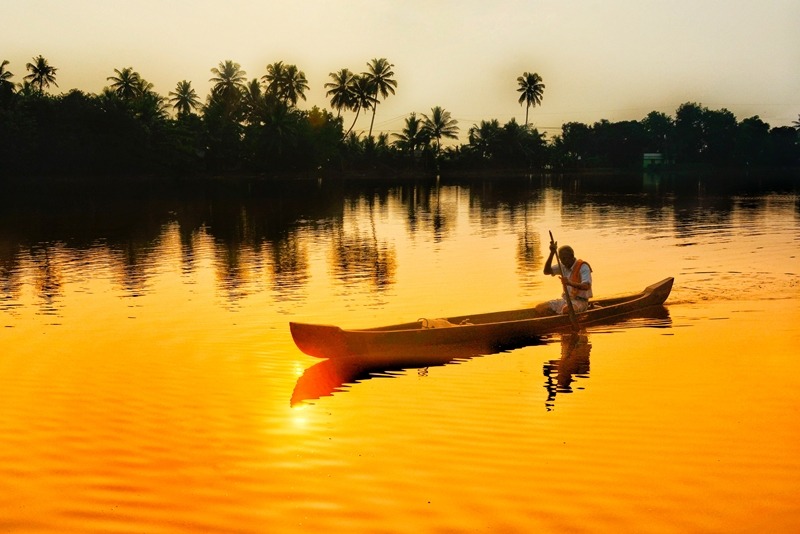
pixel 289 263
pixel 264 235
pixel 361 255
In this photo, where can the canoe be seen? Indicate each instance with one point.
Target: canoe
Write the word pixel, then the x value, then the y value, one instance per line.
pixel 332 375
pixel 477 333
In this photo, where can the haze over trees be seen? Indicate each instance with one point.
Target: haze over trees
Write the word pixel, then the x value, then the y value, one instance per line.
pixel 254 125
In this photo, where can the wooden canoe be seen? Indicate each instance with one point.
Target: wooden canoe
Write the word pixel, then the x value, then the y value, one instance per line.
pixel 332 375
pixel 477 333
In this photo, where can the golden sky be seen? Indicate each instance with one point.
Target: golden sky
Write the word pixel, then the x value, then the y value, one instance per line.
pixel 604 59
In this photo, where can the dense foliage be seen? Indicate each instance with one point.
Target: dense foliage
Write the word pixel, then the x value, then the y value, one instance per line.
pixel 256 126
pixel 697 137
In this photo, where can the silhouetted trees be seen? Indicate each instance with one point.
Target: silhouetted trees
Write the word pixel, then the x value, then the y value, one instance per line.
pixel 508 146
pixel 414 137
pixel 6 85
pixel 439 124
pixel 184 98
pixel 380 78
pixel 360 97
pixel 256 126
pixel 697 138
pixel 286 83
pixel 42 74
pixel 340 90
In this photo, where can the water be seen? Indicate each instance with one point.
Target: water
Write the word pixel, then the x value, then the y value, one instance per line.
pixel 148 381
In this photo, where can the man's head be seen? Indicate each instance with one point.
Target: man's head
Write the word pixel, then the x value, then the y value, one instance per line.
pixel 566 255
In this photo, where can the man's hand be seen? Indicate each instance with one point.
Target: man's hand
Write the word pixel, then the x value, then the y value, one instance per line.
pixel 553 247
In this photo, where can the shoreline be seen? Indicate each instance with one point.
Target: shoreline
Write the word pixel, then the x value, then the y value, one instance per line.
pixel 258 183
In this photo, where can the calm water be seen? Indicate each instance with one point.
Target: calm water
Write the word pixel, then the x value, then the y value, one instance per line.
pixel 148 381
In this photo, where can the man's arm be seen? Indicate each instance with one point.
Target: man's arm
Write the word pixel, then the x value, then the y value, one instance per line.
pixel 583 286
pixel 586 279
pixel 548 268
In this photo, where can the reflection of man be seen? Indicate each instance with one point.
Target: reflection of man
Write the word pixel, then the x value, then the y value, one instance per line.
pixel 576 275
pixel 574 363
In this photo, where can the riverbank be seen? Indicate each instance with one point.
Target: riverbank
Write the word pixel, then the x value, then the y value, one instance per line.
pixel 240 182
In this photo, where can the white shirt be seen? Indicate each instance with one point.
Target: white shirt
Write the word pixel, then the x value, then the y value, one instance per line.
pixel 586 278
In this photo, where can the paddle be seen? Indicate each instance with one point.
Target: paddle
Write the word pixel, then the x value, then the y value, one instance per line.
pixel 572 317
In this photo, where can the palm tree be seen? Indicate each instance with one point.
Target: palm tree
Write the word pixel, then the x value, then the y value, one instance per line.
pixel 797 123
pixel 439 125
pixel 127 84
pixel 484 138
pixel 362 97
pixel 184 98
pixel 531 89
pixel 27 89
pixel 276 72
pixel 340 90
pixel 412 136
pixel 380 78
pixel 286 82
pixel 295 85
pixel 280 129
pixel 144 87
pixel 41 74
pixel 149 106
pixel 253 101
pixel 229 80
pixel 6 85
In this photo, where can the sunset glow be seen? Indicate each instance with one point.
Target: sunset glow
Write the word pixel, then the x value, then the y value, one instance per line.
pixel 614 60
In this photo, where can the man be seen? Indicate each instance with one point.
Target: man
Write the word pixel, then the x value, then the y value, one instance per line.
pixel 576 276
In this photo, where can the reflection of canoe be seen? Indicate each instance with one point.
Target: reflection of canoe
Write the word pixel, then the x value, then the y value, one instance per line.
pixel 481 333
pixel 329 376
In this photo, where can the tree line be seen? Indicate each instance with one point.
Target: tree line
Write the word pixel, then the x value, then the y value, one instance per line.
pixel 696 138
pixel 255 125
